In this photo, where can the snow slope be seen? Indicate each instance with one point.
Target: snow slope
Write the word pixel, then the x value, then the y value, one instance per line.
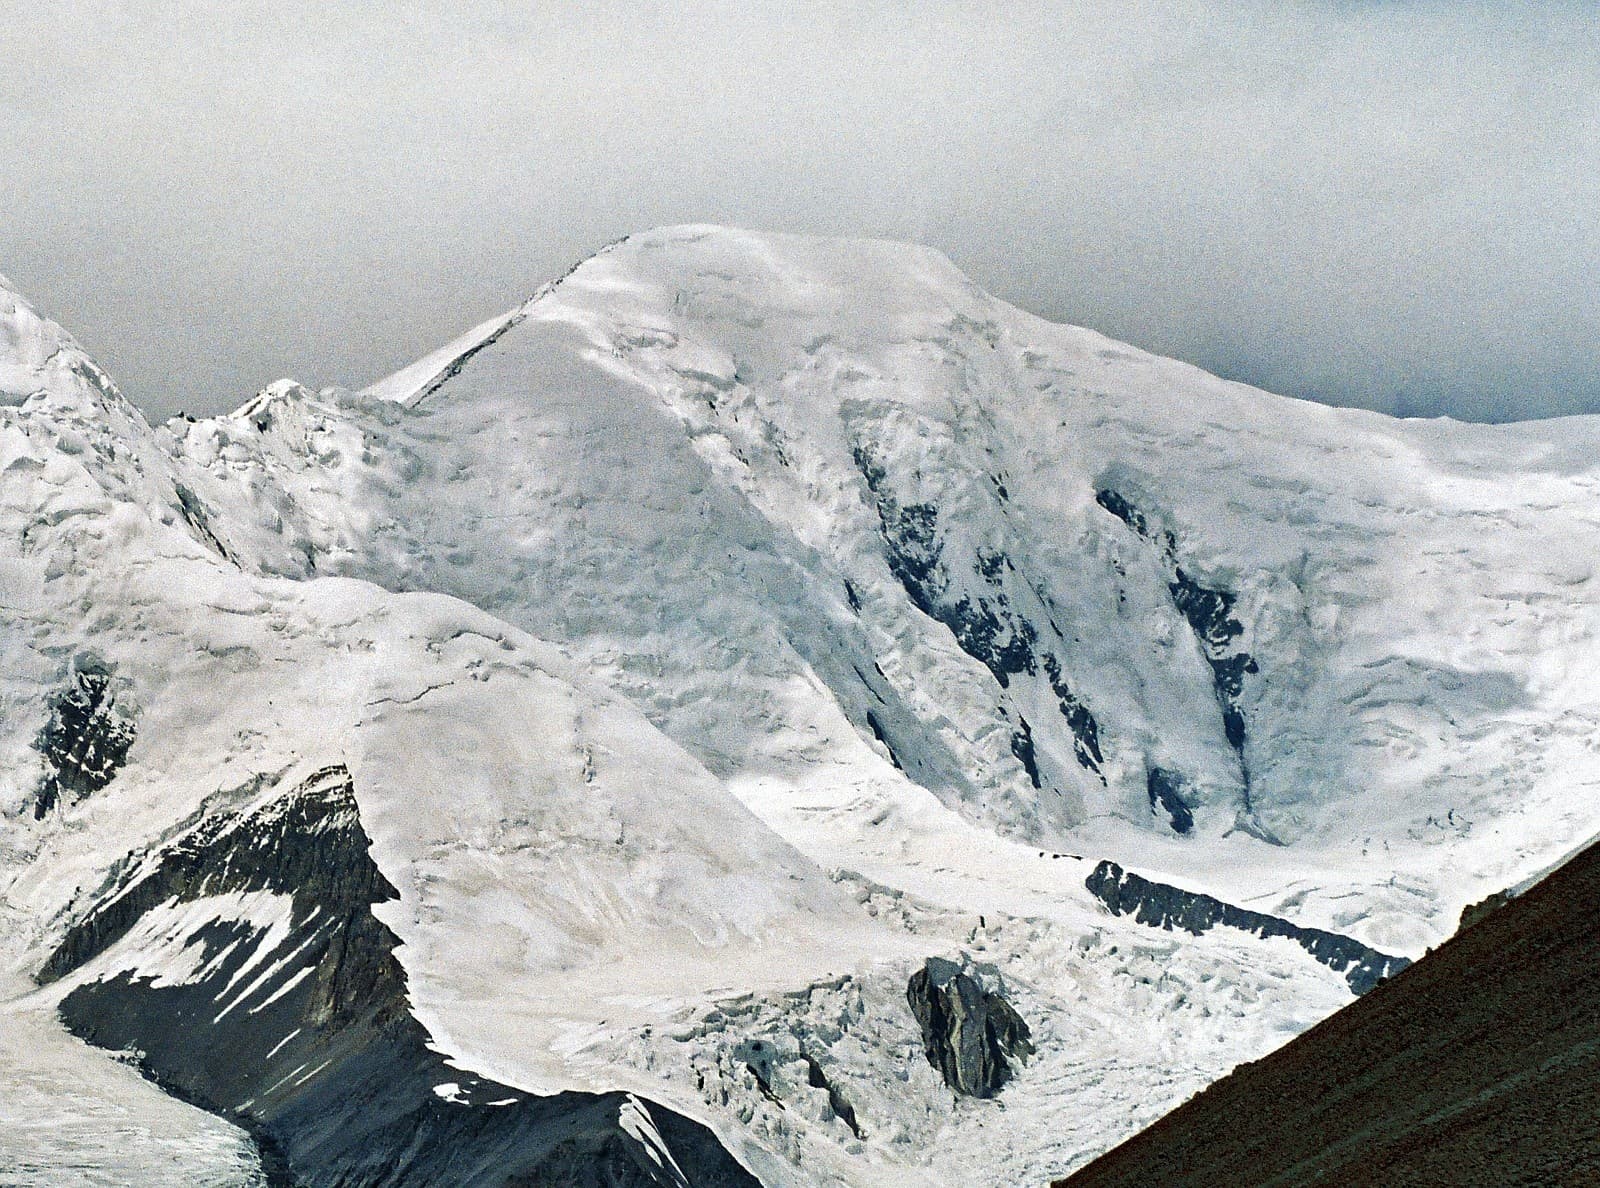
pixel 538 823
pixel 879 613
pixel 664 463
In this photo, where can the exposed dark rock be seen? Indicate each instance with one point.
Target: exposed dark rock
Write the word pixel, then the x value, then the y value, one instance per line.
pixel 1166 792
pixel 1475 912
pixel 86 739
pixel 992 566
pixel 1085 733
pixel 1477 1067
pixel 312 1047
pixel 1209 612
pixel 1004 645
pixel 1118 506
pixel 985 626
pixel 1085 730
pixel 1022 748
pixel 1162 906
pixel 969 1032
pixel 196 515
pixel 460 361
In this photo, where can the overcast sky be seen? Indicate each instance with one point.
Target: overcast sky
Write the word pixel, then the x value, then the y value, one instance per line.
pixel 1395 205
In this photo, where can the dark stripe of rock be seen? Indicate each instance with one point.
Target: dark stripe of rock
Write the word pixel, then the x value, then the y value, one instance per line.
pixel 1165 790
pixel 1209 612
pixel 1022 749
pixel 1477 1067
pixel 985 627
pixel 332 1075
pixel 1162 906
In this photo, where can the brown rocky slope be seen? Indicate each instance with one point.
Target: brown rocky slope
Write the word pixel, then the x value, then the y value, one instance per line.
pixel 1478 1065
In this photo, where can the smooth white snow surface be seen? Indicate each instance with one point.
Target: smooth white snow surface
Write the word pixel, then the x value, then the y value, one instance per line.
pixel 672 829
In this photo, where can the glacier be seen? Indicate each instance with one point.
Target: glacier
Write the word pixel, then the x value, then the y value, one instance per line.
pixel 735 625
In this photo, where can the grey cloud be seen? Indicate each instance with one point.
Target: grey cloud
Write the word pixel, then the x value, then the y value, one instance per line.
pixel 1389 205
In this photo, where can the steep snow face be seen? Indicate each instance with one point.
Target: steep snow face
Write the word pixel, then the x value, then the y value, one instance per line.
pixel 53 393
pixel 78 471
pixel 541 835
pixel 823 509
pixel 581 904
pixel 39 359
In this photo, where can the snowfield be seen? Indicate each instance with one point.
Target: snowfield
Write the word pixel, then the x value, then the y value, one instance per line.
pixel 742 621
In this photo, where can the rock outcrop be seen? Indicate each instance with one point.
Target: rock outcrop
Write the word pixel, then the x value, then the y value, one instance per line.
pixel 1165 790
pixel 1209 612
pixel 259 984
pixel 969 1031
pixel 1163 906
pixel 1476 912
pixel 978 612
pixel 86 739
pixel 1477 1066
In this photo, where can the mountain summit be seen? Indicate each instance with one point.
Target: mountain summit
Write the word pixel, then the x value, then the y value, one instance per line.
pixel 646 686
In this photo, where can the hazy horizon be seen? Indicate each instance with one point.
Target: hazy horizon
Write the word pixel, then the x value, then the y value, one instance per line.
pixel 1378 204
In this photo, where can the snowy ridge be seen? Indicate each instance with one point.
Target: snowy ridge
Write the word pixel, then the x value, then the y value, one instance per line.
pixel 846 567
pixel 37 357
pixel 411 385
pixel 229 677
pixel 758 377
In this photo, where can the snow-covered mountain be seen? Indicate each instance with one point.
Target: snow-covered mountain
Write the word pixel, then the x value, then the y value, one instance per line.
pixel 624 703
